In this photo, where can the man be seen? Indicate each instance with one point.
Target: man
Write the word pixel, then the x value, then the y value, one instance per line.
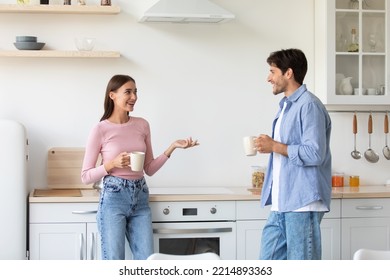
pixel 298 179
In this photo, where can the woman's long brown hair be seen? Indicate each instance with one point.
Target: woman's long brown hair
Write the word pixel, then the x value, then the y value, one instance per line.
pixel 113 85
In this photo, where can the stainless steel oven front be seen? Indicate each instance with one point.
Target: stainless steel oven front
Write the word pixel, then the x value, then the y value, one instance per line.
pixel 193 227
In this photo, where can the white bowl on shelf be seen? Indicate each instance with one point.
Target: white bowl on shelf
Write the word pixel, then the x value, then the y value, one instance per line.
pixel 371 91
pixel 85 43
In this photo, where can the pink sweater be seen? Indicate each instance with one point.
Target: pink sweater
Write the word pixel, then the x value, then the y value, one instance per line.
pixel 109 140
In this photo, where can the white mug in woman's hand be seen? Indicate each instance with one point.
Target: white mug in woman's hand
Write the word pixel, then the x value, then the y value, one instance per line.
pixel 249 145
pixel 137 161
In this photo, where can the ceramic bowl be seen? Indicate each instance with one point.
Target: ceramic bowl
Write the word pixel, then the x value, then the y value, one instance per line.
pixel 371 91
pixel 85 44
pixel 29 45
pixel 26 39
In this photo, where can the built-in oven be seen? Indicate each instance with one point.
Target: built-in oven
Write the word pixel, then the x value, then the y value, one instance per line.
pixel 193 227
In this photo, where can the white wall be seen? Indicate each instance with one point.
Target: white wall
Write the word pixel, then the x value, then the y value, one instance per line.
pixel 201 80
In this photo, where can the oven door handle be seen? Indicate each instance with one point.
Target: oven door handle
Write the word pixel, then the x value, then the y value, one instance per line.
pixel 190 230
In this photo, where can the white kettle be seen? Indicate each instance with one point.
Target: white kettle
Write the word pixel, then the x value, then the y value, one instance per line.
pixel 345 87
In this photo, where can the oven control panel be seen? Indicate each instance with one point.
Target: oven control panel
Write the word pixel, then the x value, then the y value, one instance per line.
pixel 193 211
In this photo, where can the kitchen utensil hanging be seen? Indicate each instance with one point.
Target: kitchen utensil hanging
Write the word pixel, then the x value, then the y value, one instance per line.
pixel 370 154
pixel 355 154
pixel 386 149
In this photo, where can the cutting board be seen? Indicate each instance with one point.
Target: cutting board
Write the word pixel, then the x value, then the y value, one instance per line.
pixel 57 193
pixel 64 168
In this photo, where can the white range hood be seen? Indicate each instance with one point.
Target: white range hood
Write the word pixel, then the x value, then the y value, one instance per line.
pixel 186 11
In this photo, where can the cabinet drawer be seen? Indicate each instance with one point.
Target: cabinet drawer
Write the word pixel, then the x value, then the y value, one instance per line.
pixel 365 207
pixel 62 212
pixel 251 210
pixel 335 209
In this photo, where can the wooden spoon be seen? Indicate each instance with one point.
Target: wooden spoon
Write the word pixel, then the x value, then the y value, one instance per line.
pixel 386 150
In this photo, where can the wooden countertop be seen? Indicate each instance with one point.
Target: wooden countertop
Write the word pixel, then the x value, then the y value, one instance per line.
pixel 362 192
pixel 92 196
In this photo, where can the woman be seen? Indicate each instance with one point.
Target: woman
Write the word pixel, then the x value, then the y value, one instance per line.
pixel 124 200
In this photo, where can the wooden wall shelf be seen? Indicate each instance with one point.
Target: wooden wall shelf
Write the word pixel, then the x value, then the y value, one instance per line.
pixel 59 54
pixel 59 9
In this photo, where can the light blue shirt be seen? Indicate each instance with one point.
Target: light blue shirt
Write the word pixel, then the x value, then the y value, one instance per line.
pixel 306 174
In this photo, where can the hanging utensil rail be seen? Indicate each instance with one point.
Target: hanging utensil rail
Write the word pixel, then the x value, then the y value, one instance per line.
pixel 358 111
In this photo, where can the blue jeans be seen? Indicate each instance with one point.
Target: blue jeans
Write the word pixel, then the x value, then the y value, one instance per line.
pixel 124 212
pixel 292 236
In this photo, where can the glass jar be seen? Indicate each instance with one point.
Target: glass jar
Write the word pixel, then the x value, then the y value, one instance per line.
pixel 354 181
pixel 105 2
pixel 338 180
pixel 258 173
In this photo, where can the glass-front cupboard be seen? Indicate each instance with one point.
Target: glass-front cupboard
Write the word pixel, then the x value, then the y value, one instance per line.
pixel 351 51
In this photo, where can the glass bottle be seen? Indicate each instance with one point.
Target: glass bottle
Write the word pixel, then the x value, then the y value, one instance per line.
pixel 354 4
pixel 372 42
pixel 353 46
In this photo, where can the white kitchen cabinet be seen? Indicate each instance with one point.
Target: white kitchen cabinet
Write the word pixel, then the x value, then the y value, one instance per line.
pixel 251 219
pixel 331 241
pixel 367 67
pixel 63 241
pixel 62 231
pixel 365 224
pixel 249 238
pixel 331 231
pixel 65 231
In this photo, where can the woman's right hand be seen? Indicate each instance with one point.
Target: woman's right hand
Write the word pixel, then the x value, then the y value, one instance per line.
pixel 120 161
pixel 182 144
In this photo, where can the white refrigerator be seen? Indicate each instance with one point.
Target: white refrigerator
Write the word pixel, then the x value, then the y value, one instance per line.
pixel 13 190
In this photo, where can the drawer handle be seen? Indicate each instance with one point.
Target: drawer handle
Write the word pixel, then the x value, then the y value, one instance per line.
pixel 190 230
pixel 84 212
pixel 93 244
pixel 81 246
pixel 369 207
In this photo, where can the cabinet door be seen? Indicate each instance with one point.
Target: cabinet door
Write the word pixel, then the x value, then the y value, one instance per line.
pixel 58 241
pixel 330 239
pixel 370 233
pixel 94 251
pixel 93 242
pixel 345 74
pixel 248 239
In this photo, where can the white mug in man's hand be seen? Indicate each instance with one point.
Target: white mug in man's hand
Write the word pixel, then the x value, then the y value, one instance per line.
pixel 137 161
pixel 249 145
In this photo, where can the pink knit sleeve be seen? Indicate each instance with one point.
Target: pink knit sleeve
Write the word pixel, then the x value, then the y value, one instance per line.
pixel 91 172
pixel 152 165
